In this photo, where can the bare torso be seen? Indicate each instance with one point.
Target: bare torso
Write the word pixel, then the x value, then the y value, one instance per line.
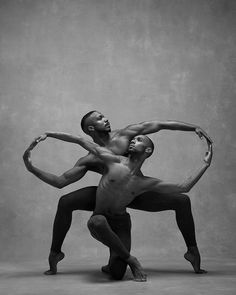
pixel 117 143
pixel 118 187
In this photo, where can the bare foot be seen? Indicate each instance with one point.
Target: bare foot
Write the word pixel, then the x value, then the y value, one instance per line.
pixel 193 256
pixel 105 269
pixel 137 270
pixel 53 259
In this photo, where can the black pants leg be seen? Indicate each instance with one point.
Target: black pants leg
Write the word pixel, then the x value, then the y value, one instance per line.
pixel 114 232
pixel 84 199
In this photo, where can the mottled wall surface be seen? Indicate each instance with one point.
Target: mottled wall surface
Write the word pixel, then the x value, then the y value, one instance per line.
pixel 134 60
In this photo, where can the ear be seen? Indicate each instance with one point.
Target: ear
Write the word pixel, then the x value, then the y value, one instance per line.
pixel 91 128
pixel 148 150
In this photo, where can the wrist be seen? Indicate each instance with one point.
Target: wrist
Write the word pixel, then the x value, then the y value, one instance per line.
pixel 29 167
pixel 206 164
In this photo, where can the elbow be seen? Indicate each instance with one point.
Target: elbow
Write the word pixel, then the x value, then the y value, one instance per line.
pixel 60 185
pixel 184 189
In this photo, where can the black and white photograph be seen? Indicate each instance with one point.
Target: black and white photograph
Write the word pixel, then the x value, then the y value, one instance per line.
pixel 117 158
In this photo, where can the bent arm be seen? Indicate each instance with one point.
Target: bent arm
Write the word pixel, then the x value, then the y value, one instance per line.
pixel 186 186
pixel 63 136
pixel 101 152
pixel 155 126
pixel 170 188
pixel 70 176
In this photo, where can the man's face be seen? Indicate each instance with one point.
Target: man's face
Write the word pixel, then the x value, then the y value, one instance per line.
pixel 138 144
pixel 99 122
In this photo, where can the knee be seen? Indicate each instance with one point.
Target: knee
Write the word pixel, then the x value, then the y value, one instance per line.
pixel 63 203
pixel 184 200
pixel 96 222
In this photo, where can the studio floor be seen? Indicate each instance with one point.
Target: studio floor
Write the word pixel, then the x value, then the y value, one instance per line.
pixel 165 276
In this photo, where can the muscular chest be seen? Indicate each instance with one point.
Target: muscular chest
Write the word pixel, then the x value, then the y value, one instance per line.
pixel 120 178
pixel 119 145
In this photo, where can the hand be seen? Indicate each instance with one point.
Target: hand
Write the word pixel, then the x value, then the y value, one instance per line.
pixel 36 141
pixel 27 153
pixel 209 154
pixel 41 138
pixel 201 133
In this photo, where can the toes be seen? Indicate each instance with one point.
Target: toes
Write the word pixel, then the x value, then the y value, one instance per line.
pixel 50 272
pixel 105 269
pixel 141 279
pixel 201 271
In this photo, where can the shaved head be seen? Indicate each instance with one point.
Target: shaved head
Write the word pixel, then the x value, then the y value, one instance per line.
pixel 149 143
pixel 84 121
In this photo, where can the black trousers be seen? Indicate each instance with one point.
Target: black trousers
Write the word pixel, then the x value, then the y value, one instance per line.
pixel 85 198
pixel 114 231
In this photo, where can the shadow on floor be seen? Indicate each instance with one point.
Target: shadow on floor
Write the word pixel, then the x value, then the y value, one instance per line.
pixel 95 276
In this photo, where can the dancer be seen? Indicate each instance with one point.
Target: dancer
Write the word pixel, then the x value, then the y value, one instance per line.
pixel 98 127
pixel 120 184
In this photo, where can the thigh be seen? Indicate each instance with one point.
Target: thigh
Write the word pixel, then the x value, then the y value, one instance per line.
pixel 154 201
pixel 82 199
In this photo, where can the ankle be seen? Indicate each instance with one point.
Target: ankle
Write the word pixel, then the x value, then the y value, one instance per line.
pixel 192 248
pixel 54 253
pixel 130 258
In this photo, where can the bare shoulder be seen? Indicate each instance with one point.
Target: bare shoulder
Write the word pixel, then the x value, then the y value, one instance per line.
pixel 88 160
pixel 149 181
pixel 132 130
pixel 116 132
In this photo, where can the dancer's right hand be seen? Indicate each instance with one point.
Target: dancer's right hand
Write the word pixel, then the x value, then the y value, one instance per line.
pixel 41 138
pixel 27 153
pixel 209 154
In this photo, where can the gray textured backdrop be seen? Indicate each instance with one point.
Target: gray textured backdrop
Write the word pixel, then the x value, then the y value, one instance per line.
pixel 134 60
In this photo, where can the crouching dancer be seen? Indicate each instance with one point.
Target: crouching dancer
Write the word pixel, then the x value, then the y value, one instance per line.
pixel 119 185
pixel 98 127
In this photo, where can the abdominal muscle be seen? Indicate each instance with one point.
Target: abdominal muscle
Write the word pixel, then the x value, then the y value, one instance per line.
pixel 114 196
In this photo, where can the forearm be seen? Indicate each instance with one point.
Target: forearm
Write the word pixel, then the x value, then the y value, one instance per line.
pixel 63 136
pixel 155 126
pixel 177 125
pixel 192 180
pixel 46 177
pixel 86 144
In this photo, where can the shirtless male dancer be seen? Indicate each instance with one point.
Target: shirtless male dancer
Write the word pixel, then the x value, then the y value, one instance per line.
pixel 120 184
pixel 98 127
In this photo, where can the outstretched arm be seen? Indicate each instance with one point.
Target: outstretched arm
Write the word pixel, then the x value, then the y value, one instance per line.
pixel 101 152
pixel 185 187
pixel 70 176
pixel 155 126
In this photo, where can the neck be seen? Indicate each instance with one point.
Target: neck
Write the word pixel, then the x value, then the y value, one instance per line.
pixel 101 138
pixel 136 162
